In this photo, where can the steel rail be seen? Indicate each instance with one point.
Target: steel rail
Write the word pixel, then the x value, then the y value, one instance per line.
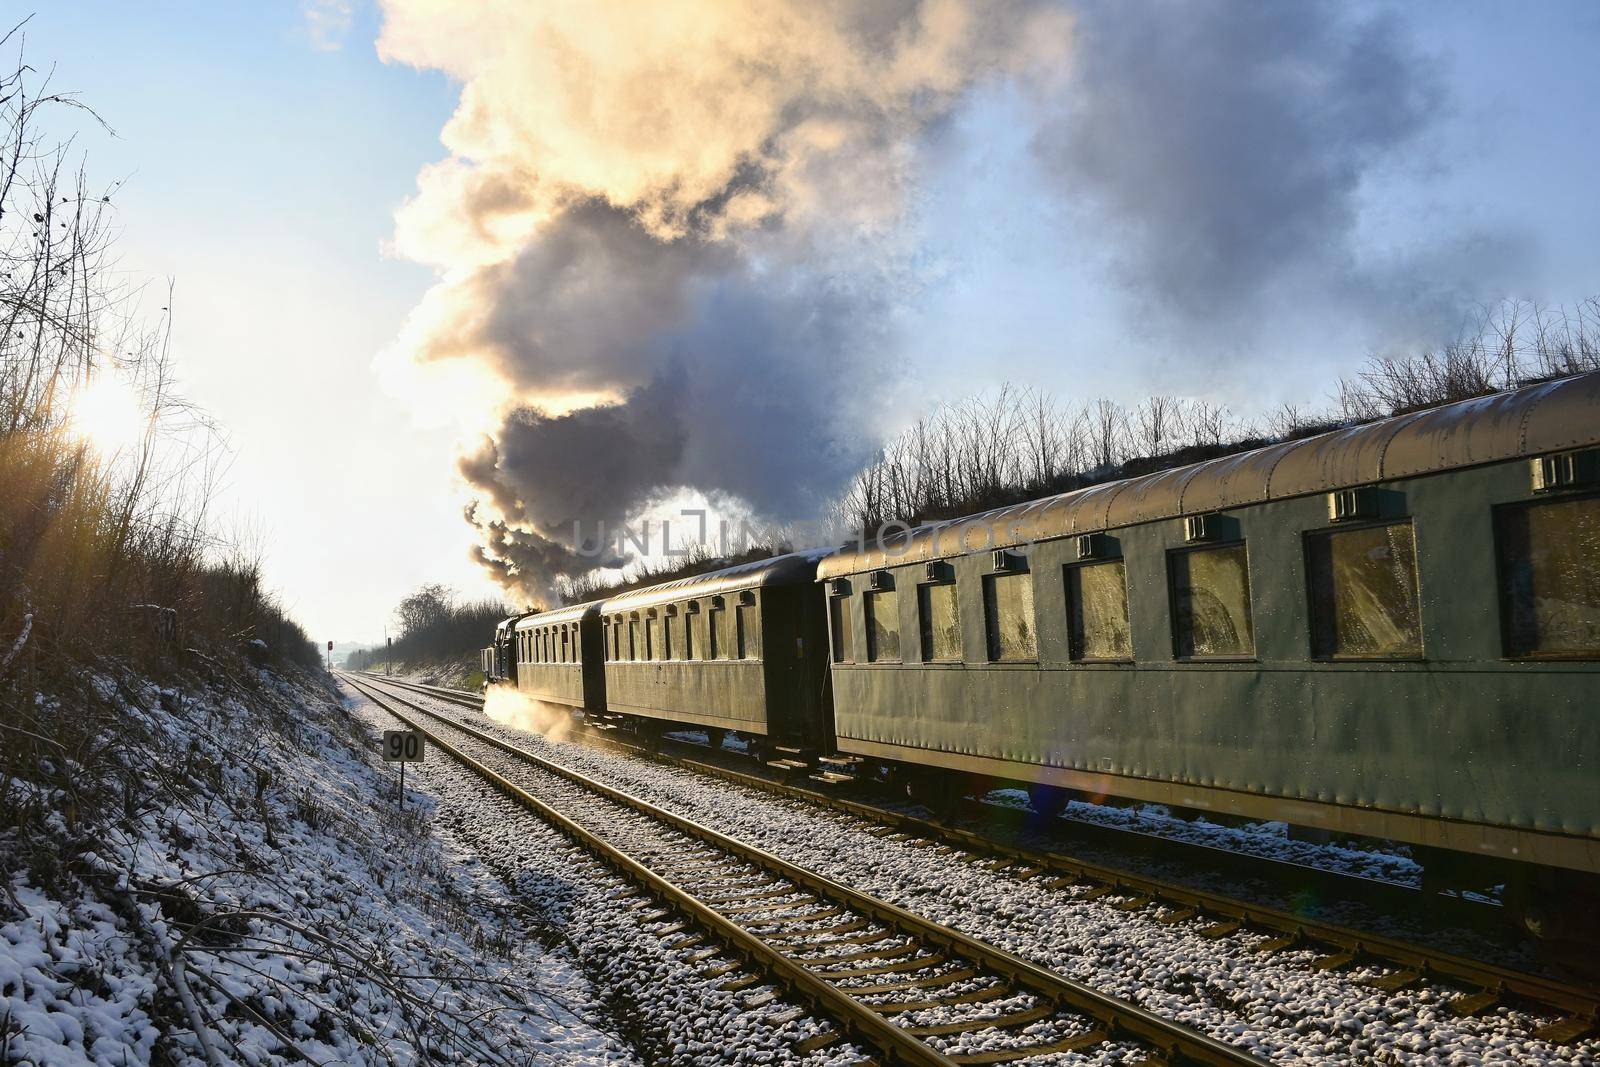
pixel 854 1017
pixel 1579 1005
pixel 1178 1043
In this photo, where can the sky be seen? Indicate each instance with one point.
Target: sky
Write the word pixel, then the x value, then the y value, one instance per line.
pixel 563 261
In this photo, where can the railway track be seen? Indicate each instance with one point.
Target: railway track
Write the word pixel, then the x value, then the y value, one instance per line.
pixel 913 990
pixel 1489 985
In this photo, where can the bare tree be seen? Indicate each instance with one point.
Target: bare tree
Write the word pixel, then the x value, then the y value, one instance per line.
pixel 1108 433
pixel 1156 425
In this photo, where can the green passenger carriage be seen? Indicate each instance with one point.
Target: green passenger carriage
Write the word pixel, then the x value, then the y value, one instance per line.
pixel 1389 630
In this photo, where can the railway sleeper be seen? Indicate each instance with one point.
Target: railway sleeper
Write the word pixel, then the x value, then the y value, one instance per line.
pixel 908 966
pixel 830 912
pixel 932 981
pixel 866 954
pixel 1042 1010
pixel 1075 1043
pixel 1566 1031
pixel 741 913
pixel 998 991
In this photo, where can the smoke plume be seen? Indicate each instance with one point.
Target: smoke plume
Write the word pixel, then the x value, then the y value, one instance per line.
pixel 668 232
pixel 673 239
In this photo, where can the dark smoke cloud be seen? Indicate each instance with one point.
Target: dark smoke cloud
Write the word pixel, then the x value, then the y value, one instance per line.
pixel 1225 145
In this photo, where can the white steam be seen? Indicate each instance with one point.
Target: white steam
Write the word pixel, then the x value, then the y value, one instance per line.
pixel 506 706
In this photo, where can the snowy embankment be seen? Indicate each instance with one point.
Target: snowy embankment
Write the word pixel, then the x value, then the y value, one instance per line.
pixel 1278 1006
pixel 245 890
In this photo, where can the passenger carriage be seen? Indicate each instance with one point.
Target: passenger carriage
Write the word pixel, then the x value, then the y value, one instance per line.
pixel 1390 630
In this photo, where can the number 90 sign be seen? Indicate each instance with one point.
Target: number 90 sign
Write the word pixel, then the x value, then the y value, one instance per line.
pixel 402 746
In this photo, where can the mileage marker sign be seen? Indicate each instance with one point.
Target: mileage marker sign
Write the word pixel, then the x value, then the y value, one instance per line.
pixel 403 747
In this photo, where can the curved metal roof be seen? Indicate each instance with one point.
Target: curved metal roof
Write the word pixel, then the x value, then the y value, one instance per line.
pixel 556 616
pixel 1518 423
pixel 796 568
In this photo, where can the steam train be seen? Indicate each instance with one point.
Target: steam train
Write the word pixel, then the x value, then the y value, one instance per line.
pixel 1390 630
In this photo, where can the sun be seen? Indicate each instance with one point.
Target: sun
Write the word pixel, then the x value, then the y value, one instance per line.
pixel 108 413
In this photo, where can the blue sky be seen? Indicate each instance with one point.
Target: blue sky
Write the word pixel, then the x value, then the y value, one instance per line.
pixel 264 166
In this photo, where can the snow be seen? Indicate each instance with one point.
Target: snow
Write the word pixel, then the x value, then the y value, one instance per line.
pixel 658 984
pixel 261 856
pixel 1276 1005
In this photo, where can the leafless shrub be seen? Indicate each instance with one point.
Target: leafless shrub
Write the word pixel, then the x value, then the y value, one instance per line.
pixel 1502 346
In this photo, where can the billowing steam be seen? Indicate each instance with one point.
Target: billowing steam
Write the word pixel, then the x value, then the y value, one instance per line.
pixel 669 231
pixel 672 237
pixel 510 708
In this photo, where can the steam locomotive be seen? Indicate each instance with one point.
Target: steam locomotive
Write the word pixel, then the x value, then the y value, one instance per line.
pixel 1390 630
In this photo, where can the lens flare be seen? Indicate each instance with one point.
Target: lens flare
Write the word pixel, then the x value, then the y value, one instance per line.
pixel 109 413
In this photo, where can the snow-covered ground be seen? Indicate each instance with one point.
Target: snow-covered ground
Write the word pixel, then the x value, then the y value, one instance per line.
pixel 260 869
pixel 659 983
pixel 1277 1006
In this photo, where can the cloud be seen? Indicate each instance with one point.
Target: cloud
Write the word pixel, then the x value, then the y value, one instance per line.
pixel 327 23
pixel 670 230
pixel 1218 149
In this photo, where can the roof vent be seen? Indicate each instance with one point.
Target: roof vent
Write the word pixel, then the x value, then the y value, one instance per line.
pixel 1004 561
pixel 1199 528
pixel 747 596
pixel 1347 504
pixel 839 587
pixel 936 570
pixel 1566 470
pixel 879 581
pixel 691 607
pixel 1090 546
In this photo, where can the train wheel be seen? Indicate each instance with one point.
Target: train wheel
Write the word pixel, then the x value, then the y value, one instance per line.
pixel 650 734
pixel 1048 801
pixel 715 735
pixel 937 792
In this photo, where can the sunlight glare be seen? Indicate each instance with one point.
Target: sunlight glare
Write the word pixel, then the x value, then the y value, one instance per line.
pixel 109 414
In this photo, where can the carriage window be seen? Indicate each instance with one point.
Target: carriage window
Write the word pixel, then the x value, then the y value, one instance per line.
pixel 749 632
pixel 688 633
pixel 716 631
pixel 566 646
pixel 940 623
pixel 1550 578
pixel 727 639
pixel 1211 603
pixel 652 636
pixel 616 639
pixel 1008 616
pixel 1097 611
pixel 633 639
pixel 839 627
pixel 669 626
pixel 1364 593
pixel 882 608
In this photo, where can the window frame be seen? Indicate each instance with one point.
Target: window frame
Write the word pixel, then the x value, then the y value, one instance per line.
pixel 688 629
pixel 1307 537
pixel 845 634
pixel 989 581
pixel 1502 605
pixel 1253 656
pixel 869 614
pixel 925 629
pixel 747 626
pixel 1070 582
